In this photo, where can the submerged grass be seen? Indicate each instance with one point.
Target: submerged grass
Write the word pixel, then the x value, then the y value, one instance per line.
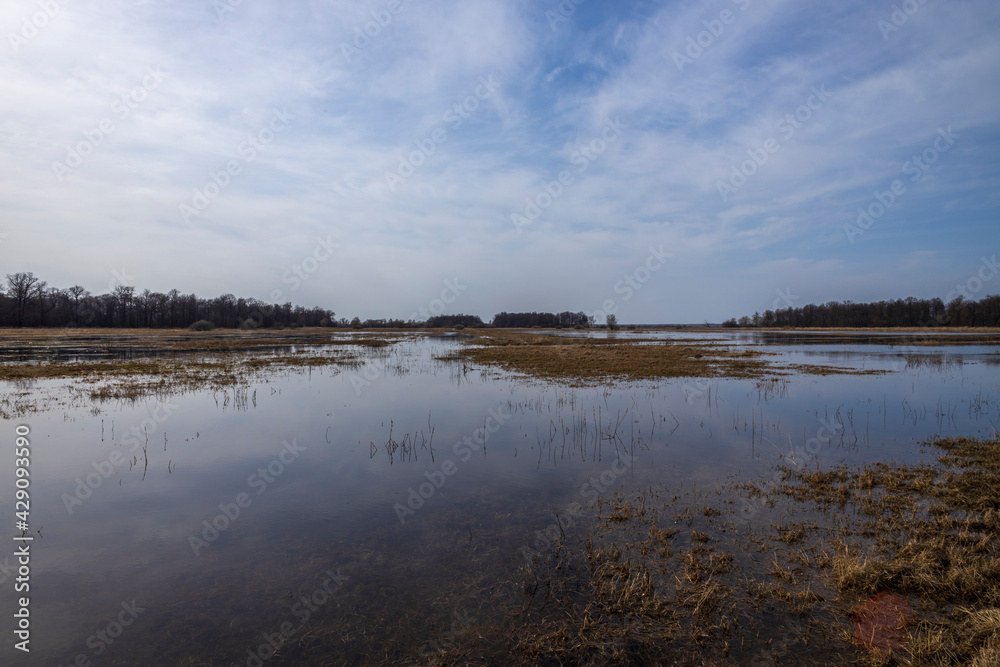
pixel 904 570
pixel 129 365
pixel 928 533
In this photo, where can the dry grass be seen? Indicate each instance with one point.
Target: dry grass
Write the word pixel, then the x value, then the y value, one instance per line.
pixel 589 359
pixel 930 533
pixel 34 342
pixel 905 570
pixel 132 364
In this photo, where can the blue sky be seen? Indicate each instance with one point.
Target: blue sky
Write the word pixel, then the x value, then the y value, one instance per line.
pixel 713 155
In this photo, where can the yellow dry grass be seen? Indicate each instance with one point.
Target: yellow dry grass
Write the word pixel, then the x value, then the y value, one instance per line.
pixel 929 532
pixel 591 359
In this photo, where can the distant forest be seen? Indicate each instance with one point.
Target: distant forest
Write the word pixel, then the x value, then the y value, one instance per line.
pixel 30 302
pixel 26 301
pixel 908 312
pixel 520 320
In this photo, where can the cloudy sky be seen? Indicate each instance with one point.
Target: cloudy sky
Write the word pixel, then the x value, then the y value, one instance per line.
pixel 674 161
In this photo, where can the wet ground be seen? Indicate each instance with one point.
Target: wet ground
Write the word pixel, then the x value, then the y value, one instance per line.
pixel 394 509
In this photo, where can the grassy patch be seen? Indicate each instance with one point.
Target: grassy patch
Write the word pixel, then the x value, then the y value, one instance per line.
pixel 590 360
pixel 929 534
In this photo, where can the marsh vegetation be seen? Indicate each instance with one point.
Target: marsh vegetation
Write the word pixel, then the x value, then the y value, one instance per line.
pixel 651 497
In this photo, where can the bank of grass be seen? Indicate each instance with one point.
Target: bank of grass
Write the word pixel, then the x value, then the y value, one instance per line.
pixel 661 581
pixel 900 565
pixel 129 364
pixel 588 360
pixel 928 533
pixel 35 342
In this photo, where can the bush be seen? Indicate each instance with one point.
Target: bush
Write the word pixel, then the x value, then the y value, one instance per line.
pixel 202 325
pixel 356 323
pixel 459 327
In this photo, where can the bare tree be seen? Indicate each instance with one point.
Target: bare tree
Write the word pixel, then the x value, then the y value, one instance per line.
pixel 77 292
pixel 40 291
pixel 22 287
pixel 124 294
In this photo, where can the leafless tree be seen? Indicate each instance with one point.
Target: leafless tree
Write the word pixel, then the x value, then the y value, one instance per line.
pixel 21 287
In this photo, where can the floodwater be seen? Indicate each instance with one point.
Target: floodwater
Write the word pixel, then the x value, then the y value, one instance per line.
pixel 374 522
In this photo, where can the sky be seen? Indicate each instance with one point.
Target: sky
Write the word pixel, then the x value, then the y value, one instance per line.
pixel 667 162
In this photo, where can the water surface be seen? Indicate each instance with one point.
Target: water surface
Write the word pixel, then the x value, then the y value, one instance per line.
pixel 368 491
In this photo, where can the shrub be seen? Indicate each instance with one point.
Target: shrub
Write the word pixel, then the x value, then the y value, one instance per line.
pixel 459 327
pixel 202 325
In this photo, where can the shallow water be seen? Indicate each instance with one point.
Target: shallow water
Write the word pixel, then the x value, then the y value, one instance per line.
pixel 418 533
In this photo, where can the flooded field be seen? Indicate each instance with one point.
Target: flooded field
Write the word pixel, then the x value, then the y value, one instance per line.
pixel 420 498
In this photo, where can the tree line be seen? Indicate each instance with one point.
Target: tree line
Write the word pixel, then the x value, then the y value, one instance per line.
pixel 523 320
pixel 909 312
pixel 27 301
